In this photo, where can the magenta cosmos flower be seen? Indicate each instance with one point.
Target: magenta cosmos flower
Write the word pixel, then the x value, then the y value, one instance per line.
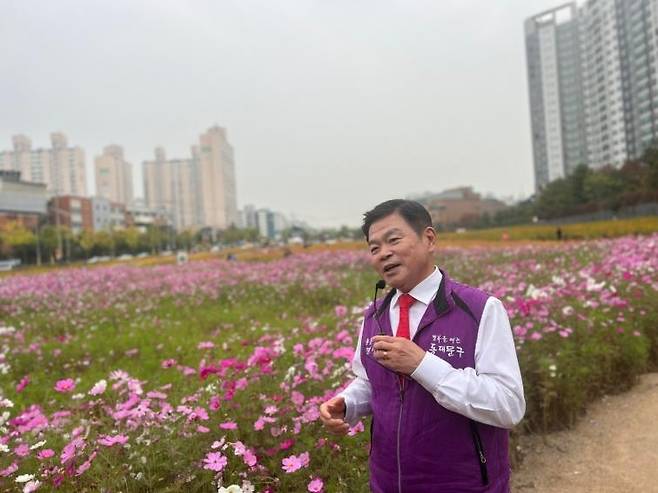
pixel 66 385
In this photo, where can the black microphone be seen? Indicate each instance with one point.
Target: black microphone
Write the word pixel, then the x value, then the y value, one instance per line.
pixel 381 284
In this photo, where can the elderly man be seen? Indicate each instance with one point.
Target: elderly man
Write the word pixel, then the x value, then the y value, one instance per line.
pixel 436 367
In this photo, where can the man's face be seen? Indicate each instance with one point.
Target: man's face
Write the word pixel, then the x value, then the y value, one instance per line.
pixel 400 256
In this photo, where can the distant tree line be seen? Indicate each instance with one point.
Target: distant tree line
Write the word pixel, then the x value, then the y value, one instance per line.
pixel 49 243
pixel 585 191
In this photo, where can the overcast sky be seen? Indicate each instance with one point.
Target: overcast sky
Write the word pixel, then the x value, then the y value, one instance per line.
pixel 331 105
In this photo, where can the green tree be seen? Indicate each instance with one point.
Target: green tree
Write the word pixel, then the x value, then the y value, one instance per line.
pixel 604 189
pixel 185 239
pixel 650 157
pixel 48 242
pixel 104 242
pixel 555 200
pixel 87 241
pixel 20 240
pixel 576 182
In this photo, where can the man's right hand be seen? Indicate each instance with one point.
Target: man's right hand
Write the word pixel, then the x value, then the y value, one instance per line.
pixel 332 414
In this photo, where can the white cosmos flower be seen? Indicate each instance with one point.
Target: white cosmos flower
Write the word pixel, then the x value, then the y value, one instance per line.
pixel 99 387
pixel 24 478
pixel 234 488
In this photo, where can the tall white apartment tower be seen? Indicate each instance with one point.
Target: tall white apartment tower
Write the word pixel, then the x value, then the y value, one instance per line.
pixel 556 92
pixel 61 168
pixel 638 38
pixel 170 184
pixel 604 94
pixel 199 191
pixel 592 79
pixel 217 179
pixel 114 179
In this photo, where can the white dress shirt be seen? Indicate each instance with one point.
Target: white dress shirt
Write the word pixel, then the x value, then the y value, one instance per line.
pixel 491 393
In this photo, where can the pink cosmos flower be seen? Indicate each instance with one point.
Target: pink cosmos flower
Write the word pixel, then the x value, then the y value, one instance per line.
pixel 291 464
pixel 249 458
pixel 214 403
pixel 215 461
pixel 9 470
pixel 71 449
pixel 45 454
pixel 294 463
pixel 286 444
pixel 229 425
pixel 66 385
pixel 239 448
pixel 86 464
pixel 297 398
pixel 341 311
pixel 154 394
pixel 23 383
pixel 109 441
pixel 22 450
pixel 357 428
pixel 206 345
pixel 168 363
pixel 315 486
pixel 31 486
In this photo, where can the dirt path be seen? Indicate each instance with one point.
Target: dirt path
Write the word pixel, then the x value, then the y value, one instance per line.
pixel 614 448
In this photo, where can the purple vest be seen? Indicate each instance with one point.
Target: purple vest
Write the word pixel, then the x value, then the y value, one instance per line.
pixel 417 445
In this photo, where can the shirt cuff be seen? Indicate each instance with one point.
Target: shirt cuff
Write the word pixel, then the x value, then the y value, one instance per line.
pixel 431 371
pixel 351 411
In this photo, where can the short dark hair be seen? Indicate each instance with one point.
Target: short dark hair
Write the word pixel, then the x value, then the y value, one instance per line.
pixel 411 211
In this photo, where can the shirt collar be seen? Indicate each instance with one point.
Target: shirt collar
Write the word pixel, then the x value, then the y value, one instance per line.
pixel 425 290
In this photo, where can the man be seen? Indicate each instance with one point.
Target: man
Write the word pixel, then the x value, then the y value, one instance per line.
pixel 436 367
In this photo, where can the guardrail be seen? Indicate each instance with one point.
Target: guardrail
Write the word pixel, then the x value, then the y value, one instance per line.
pixel 9 264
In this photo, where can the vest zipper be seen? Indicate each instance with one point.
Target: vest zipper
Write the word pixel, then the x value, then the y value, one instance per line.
pixel 398 441
pixel 477 441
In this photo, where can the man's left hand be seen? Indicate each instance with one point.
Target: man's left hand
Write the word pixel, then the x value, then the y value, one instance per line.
pixel 397 353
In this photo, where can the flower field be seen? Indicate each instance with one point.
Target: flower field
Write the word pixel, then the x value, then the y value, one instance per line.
pixel 208 376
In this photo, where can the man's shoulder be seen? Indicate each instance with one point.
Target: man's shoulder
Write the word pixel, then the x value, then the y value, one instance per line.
pixel 474 297
pixel 469 289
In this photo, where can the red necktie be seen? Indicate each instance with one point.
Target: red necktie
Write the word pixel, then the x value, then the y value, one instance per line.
pixel 405 301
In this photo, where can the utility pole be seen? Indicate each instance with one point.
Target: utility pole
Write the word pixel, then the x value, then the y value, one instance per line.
pixel 38 241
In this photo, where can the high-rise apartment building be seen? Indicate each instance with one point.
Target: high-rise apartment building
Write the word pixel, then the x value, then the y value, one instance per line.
pixel 592 84
pixel 114 179
pixel 555 86
pixel 217 179
pixel 199 191
pixel 61 168
pixel 170 184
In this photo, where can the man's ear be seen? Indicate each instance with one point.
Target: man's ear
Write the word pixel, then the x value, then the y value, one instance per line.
pixel 430 235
